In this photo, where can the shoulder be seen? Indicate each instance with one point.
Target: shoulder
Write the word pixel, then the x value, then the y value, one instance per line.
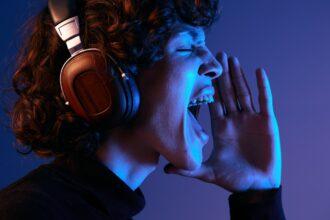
pixel 27 198
pixel 31 182
pixel 20 204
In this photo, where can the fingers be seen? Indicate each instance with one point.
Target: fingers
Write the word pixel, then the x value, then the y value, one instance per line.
pixel 235 93
pixel 249 90
pixel 240 85
pixel 265 93
pixel 227 92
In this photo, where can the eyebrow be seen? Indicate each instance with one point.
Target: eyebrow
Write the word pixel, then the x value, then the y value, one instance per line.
pixel 193 33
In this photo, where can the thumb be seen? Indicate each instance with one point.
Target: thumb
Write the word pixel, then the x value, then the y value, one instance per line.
pixel 197 173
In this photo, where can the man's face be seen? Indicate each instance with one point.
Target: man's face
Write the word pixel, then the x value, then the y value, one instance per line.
pixel 167 89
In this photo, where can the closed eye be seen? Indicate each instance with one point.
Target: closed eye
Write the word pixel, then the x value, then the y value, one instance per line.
pixel 185 50
pixel 191 49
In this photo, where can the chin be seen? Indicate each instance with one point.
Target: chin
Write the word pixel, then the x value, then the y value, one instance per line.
pixel 189 162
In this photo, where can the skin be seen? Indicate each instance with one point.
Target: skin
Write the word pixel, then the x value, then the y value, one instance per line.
pixel 246 153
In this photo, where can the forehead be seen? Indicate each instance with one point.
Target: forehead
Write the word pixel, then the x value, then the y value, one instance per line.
pixel 184 30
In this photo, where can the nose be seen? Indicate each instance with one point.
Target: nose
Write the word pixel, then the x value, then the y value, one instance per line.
pixel 211 66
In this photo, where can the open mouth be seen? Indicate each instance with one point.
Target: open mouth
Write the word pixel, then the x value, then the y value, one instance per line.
pixel 195 105
pixel 196 128
pixel 204 97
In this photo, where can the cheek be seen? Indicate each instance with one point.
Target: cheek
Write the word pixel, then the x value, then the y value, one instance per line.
pixel 183 76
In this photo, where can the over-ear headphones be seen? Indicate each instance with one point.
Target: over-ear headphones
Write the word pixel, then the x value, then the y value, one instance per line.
pixel 94 85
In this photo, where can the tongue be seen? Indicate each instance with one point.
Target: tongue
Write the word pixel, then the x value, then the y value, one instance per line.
pixel 198 129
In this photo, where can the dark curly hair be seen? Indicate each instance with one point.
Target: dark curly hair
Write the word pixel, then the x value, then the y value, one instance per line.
pixel 133 31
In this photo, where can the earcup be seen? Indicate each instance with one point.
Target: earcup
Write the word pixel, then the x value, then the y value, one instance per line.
pixel 94 88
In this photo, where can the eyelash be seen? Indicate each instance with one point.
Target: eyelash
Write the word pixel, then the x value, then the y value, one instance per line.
pixel 186 50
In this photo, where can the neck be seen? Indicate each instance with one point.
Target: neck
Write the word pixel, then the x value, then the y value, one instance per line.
pixel 127 157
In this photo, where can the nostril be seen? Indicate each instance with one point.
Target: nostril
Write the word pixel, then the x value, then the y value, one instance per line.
pixel 211 74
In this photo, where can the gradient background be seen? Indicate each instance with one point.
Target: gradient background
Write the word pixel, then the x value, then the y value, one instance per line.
pixel 290 38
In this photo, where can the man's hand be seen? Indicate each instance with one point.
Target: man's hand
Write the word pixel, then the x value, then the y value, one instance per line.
pixel 246 153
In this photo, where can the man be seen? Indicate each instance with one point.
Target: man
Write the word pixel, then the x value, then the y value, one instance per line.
pixel 96 173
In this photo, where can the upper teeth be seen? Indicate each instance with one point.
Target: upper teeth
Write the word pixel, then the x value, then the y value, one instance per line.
pixel 201 100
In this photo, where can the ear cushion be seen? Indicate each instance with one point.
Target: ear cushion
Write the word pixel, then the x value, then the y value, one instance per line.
pixel 126 92
pixel 124 97
pixel 130 88
pixel 135 96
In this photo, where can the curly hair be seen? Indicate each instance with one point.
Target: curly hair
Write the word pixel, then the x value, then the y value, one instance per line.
pixel 132 31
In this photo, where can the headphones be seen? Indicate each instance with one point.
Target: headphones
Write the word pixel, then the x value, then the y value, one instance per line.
pixel 94 85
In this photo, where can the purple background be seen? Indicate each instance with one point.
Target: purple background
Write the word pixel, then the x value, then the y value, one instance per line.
pixel 291 40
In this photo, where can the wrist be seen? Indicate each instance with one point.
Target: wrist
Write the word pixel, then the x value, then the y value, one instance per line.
pixel 264 184
pixel 255 195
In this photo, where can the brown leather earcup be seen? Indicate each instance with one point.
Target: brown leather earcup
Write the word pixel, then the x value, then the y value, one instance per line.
pixel 95 90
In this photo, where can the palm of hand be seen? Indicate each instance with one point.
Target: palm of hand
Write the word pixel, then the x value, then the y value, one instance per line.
pixel 243 156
